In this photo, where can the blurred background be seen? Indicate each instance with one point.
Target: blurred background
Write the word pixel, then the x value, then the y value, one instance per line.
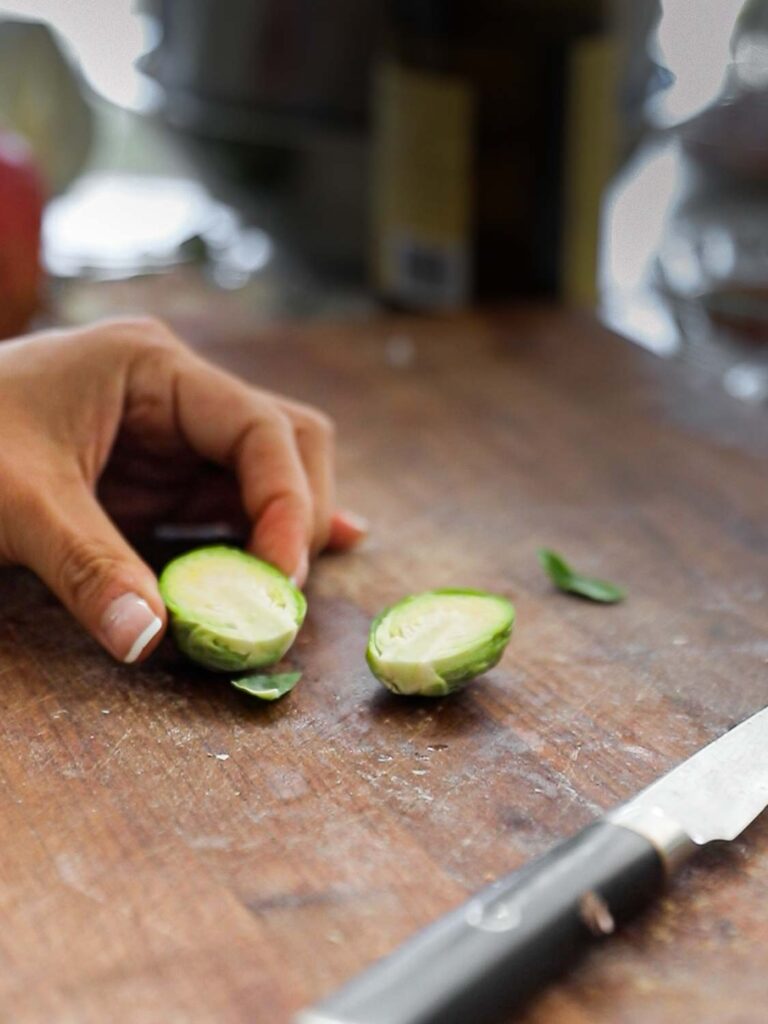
pixel 263 159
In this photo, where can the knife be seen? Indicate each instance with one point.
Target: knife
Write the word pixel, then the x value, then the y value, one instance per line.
pixel 516 934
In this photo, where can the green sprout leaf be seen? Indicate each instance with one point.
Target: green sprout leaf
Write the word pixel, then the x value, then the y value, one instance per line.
pixel 267 687
pixel 571 582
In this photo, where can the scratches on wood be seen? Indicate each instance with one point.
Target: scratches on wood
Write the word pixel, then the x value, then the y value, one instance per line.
pixel 142 878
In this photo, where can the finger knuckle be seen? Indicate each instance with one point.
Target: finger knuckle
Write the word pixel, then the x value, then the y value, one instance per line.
pixel 280 422
pixel 320 425
pixel 148 332
pixel 325 426
pixel 85 566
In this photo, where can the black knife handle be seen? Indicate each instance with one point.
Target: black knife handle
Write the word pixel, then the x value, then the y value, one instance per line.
pixel 514 935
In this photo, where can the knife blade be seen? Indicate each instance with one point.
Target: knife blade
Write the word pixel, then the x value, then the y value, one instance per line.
pixel 513 936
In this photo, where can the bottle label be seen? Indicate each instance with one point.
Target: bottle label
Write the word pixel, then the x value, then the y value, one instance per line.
pixel 423 188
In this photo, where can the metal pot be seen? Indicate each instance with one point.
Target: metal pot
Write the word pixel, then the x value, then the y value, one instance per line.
pixel 271 99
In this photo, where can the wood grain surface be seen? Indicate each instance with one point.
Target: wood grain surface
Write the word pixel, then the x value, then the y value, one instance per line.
pixel 173 851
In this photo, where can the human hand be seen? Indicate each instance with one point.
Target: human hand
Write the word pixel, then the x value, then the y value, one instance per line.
pixel 127 406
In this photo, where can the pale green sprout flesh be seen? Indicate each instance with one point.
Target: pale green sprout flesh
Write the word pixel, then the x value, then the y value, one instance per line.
pixel 230 611
pixel 434 643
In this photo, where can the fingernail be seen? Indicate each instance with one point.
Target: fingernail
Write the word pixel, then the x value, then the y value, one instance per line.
pixel 301 571
pixel 128 626
pixel 357 522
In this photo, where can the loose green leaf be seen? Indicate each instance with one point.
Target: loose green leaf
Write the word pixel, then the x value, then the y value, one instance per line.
pixel 267 687
pixel 566 579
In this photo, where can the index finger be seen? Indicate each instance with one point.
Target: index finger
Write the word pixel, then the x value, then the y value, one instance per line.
pixel 172 392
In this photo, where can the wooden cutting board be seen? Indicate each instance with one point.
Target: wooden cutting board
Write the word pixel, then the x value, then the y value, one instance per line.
pixel 171 851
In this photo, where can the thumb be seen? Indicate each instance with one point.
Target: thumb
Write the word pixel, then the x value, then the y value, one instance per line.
pixel 72 545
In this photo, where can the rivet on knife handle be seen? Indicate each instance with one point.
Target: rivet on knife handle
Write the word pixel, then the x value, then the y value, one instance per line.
pixel 491 953
pixel 509 939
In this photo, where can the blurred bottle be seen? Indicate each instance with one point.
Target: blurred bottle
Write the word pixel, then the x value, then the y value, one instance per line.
pixel 45 134
pixel 21 210
pixel 492 140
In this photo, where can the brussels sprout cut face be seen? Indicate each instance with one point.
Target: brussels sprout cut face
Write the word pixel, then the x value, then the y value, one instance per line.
pixel 230 611
pixel 434 643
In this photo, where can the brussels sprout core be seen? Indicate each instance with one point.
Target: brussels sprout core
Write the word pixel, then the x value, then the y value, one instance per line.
pixel 230 611
pixel 434 643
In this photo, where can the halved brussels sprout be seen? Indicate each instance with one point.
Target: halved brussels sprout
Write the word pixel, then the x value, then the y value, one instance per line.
pixel 431 644
pixel 230 611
